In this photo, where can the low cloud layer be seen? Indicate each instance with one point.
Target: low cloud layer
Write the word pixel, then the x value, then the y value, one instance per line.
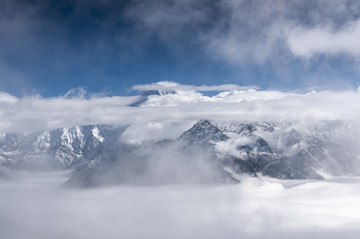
pixel 34 113
pixel 32 207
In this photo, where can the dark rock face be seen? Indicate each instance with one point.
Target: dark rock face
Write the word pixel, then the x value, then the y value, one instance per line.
pixel 145 96
pixel 98 158
pixel 202 134
pixel 292 138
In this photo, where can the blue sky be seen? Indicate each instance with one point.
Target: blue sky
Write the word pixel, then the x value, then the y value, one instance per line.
pixel 49 47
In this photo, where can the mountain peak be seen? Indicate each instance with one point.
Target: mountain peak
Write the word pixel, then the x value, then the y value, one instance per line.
pixel 203 130
pixel 146 94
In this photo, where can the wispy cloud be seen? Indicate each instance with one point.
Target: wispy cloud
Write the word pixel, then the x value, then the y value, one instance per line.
pixel 307 42
pixel 255 31
pixel 168 85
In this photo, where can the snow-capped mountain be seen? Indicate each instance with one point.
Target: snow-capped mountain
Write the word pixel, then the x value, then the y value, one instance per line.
pixel 56 149
pixel 202 133
pixel 288 150
pixel 210 151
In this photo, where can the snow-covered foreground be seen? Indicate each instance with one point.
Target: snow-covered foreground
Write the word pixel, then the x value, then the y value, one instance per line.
pixel 32 206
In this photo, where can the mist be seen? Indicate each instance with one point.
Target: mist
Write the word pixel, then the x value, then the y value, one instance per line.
pixel 151 173
pixel 33 206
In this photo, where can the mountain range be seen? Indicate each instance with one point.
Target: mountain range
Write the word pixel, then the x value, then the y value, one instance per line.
pixel 208 152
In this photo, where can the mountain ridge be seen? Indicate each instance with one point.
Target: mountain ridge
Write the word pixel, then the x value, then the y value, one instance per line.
pixel 261 148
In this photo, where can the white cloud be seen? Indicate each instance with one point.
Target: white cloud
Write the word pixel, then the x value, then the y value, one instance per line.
pixel 34 113
pixel 255 208
pixel 7 98
pixel 258 31
pixel 155 130
pixel 307 42
pixel 169 85
pixel 254 32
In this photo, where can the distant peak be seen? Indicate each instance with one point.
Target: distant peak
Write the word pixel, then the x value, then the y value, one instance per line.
pixel 145 96
pixel 204 130
pixel 204 122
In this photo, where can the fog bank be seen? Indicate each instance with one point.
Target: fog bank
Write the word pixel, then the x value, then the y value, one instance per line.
pixel 32 206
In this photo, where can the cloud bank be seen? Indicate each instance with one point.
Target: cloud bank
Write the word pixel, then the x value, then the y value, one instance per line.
pixel 33 113
pixel 256 208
